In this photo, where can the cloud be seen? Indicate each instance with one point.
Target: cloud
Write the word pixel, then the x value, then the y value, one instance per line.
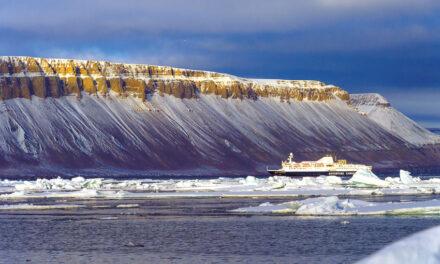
pixel 208 28
pixel 386 46
pixel 378 4
pixel 98 17
pixel 355 44
pixel 419 103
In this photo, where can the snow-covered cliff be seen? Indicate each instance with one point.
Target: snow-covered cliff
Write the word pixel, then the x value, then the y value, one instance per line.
pixel 65 116
pixel 378 109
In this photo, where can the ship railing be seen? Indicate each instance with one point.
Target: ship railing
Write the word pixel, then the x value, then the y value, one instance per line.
pixel 299 165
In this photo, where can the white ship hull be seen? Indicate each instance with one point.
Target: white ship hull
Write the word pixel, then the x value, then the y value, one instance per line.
pixel 311 173
pixel 326 166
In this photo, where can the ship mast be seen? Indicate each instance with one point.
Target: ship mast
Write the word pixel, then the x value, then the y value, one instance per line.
pixel 290 157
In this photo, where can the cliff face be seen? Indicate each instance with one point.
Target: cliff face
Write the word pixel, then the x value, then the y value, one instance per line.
pixel 22 77
pixel 70 117
pixel 378 109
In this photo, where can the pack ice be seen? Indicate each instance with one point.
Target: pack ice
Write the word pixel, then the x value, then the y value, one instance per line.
pixel 363 183
pixel 334 206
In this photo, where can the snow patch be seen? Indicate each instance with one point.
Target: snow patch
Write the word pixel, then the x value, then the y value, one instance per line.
pixel 232 146
pixel 422 247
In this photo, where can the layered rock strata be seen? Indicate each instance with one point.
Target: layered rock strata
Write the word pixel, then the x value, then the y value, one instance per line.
pixel 22 77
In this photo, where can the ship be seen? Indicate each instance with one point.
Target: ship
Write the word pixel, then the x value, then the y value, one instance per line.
pixel 327 166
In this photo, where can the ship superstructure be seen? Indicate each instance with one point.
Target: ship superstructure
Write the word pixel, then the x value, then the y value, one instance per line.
pixel 327 165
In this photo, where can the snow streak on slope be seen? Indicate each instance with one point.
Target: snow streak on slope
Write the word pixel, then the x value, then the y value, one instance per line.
pixel 187 134
pixel 377 108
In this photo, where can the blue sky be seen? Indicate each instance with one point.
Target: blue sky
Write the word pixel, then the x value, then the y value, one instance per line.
pixel 386 46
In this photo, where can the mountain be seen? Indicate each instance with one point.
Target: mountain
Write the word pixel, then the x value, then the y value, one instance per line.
pixel 378 109
pixel 99 118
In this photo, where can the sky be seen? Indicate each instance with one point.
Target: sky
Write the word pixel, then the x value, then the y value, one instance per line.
pixel 386 46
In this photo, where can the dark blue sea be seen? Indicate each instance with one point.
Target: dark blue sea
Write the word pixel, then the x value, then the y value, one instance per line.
pixel 192 231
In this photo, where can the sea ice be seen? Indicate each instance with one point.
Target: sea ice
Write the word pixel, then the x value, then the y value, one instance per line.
pixel 26 206
pixel 367 178
pixel 127 205
pixel 59 184
pixel 334 206
pixel 363 183
pixel 406 178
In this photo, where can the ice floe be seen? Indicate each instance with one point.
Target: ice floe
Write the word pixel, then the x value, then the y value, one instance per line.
pixel 406 178
pixel 367 178
pixel 27 206
pixel 59 184
pixel 127 206
pixel 334 206
pixel 363 183
pixel 422 247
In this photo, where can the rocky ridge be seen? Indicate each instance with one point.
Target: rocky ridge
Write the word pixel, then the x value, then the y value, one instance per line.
pixel 22 77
